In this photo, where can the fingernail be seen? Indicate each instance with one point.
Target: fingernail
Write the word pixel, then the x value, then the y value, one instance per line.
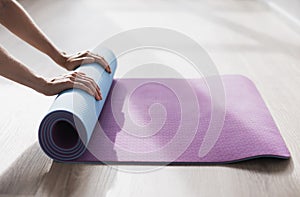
pixel 108 69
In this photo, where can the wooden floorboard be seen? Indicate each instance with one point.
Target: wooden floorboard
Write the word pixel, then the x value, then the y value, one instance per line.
pixel 242 37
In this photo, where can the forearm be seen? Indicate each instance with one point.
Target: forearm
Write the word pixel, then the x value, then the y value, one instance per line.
pixel 14 70
pixel 15 18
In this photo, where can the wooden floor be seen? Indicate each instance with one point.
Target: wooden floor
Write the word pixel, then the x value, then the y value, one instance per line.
pixel 242 37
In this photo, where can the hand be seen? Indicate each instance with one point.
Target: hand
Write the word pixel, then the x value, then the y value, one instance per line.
pixel 72 80
pixel 71 62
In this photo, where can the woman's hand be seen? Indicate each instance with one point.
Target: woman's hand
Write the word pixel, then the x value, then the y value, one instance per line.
pixel 72 80
pixel 18 21
pixel 71 62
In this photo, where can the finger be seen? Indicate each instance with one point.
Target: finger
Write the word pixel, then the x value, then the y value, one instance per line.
pixel 107 69
pixel 90 83
pixel 103 62
pixel 100 60
pixel 81 75
pixel 82 86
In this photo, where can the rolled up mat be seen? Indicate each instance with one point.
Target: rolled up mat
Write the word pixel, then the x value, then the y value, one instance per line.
pixel 67 128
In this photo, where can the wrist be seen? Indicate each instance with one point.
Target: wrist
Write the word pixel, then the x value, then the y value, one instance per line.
pixel 59 57
pixel 40 85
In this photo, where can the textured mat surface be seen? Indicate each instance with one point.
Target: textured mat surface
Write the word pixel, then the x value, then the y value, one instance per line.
pixel 167 121
pixel 142 121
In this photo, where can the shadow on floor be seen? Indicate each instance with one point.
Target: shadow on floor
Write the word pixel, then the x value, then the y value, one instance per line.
pixel 33 173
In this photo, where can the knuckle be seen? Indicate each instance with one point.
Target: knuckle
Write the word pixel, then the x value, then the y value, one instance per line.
pixel 91 84
pixel 70 77
pixel 90 79
pixel 69 82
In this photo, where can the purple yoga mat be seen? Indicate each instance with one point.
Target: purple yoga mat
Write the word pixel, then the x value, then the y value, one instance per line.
pixel 143 122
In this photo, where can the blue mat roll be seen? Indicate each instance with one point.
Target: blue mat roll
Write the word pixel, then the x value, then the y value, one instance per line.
pixel 67 128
